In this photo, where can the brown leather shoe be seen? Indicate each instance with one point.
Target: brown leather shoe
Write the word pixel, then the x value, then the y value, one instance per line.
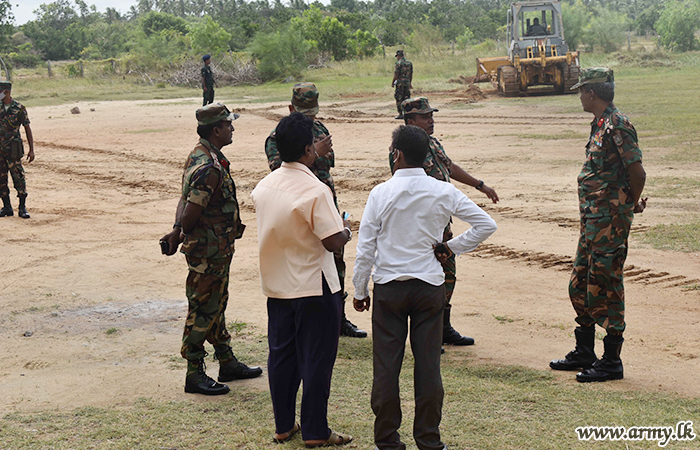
pixel 333 440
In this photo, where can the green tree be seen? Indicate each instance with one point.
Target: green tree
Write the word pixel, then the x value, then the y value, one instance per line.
pixel 677 25
pixel 280 54
pixel 6 20
pixel 576 18
pixel 334 38
pixel 207 36
pixel 606 30
pixel 363 44
pixel 155 22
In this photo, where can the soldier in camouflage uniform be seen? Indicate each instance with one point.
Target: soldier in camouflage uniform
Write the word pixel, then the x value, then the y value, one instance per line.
pixel 208 81
pixel 610 186
pixel 208 219
pixel 305 101
pixel 403 76
pixel 417 111
pixel 12 115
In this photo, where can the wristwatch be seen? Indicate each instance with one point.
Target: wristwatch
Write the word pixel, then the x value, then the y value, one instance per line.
pixel 349 231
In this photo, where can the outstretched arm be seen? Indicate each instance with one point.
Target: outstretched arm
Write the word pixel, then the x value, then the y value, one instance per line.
pixel 462 176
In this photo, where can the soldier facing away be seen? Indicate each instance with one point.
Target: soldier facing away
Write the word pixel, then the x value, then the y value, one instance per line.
pixel 610 186
pixel 403 77
pixel 12 115
pixel 208 220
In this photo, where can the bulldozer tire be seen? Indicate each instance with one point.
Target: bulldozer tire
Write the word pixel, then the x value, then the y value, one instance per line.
pixel 571 78
pixel 508 81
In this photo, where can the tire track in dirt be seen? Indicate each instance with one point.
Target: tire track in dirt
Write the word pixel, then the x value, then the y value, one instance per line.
pixel 123 154
pixel 562 263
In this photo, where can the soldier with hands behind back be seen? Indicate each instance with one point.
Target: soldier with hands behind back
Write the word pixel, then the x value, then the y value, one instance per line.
pixel 402 82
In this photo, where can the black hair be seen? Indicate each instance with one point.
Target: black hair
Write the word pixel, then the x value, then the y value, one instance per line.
pixel 204 131
pixel 294 133
pixel 413 142
pixel 604 91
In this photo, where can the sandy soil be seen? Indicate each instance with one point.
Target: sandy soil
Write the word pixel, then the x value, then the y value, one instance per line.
pixel 104 188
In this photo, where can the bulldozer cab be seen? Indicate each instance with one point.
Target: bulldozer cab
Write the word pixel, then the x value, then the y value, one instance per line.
pixel 533 26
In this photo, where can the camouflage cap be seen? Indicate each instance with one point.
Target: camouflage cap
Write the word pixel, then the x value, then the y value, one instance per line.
pixel 399 52
pixel 417 105
pixel 5 85
pixel 305 98
pixel 214 112
pixel 594 75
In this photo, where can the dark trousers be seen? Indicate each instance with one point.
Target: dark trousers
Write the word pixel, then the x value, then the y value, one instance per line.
pixel 208 95
pixel 303 338
pixel 394 303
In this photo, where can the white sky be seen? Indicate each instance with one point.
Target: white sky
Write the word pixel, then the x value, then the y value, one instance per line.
pixel 23 9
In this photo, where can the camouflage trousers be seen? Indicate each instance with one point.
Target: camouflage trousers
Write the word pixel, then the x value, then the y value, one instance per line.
pixel 208 95
pixel 401 93
pixel 596 287
pixel 207 296
pixel 449 267
pixel 17 172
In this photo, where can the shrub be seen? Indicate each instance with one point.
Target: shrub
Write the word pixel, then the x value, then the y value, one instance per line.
pixel 677 25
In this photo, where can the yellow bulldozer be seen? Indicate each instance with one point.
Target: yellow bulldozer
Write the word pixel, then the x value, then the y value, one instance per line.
pixel 537 52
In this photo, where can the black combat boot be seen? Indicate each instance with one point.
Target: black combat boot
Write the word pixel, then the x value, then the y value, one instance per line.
pixel 6 210
pixel 348 328
pixel 583 356
pixel 22 210
pixel 236 370
pixel 609 367
pixel 201 383
pixel 450 335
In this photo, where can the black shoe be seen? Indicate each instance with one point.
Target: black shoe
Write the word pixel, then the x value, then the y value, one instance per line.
pixel 6 212
pixel 201 383
pixel 609 367
pixel 236 370
pixel 583 356
pixel 22 212
pixel 452 337
pixel 349 329
pixel 399 117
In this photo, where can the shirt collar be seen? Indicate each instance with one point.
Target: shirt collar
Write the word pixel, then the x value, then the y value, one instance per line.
pixel 410 172
pixel 298 166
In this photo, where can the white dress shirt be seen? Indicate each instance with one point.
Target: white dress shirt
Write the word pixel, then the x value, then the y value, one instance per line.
pixel 403 218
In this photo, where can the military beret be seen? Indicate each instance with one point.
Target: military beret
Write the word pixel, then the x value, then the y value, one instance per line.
pixel 5 85
pixel 214 112
pixel 594 75
pixel 417 105
pixel 305 98
pixel 399 52
pixel 205 57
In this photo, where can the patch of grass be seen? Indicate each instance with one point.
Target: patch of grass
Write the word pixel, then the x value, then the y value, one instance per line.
pixel 675 237
pixel 673 187
pixel 486 407
pixel 691 287
pixel 567 134
pixel 236 327
pixel 505 319
pixel 111 331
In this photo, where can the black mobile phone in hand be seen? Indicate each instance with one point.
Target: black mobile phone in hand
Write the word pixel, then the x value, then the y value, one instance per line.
pixel 164 246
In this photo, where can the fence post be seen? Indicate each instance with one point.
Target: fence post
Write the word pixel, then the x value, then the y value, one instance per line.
pixel 81 68
pixel 48 65
pixel 384 51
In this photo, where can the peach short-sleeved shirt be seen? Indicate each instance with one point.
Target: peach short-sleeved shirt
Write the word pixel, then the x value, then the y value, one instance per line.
pixel 295 212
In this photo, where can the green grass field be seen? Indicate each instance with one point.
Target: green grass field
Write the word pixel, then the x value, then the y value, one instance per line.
pixel 485 407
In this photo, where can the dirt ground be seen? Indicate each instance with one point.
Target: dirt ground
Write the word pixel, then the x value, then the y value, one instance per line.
pixel 92 313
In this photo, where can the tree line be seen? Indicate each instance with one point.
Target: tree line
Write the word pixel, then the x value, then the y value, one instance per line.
pixel 284 38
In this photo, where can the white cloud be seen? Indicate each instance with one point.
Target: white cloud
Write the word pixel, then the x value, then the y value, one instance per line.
pixel 23 11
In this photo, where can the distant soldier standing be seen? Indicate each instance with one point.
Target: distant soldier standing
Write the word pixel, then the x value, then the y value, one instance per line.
pixel 403 76
pixel 305 101
pixel 208 219
pixel 610 186
pixel 12 115
pixel 208 81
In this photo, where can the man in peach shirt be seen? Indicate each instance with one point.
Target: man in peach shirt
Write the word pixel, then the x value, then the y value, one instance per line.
pixel 298 229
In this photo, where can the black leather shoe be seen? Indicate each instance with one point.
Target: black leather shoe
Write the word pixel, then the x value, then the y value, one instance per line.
pixel 451 336
pixel 236 370
pixel 349 329
pixel 6 212
pixel 201 383
pixel 22 212
pixel 399 117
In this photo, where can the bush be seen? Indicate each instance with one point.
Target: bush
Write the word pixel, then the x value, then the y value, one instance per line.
pixel 280 54
pixel 363 44
pixel 677 25
pixel 606 31
pixel 576 18
pixel 207 36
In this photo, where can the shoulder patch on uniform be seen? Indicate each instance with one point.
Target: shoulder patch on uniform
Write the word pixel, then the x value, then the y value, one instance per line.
pixel 617 138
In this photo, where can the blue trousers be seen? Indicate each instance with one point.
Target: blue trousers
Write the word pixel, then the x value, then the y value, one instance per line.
pixel 303 338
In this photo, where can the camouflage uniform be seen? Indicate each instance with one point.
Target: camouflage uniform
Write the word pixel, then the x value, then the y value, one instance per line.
pixel 606 207
pixel 11 148
pixel 209 248
pixel 403 71
pixel 208 77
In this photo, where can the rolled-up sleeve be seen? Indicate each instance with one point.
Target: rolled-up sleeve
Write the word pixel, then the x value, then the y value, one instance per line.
pixel 366 249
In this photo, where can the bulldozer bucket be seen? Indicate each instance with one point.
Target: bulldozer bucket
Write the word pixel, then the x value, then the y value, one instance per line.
pixel 487 68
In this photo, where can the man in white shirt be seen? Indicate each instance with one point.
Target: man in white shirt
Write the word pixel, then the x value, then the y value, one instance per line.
pixel 400 236
pixel 298 229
